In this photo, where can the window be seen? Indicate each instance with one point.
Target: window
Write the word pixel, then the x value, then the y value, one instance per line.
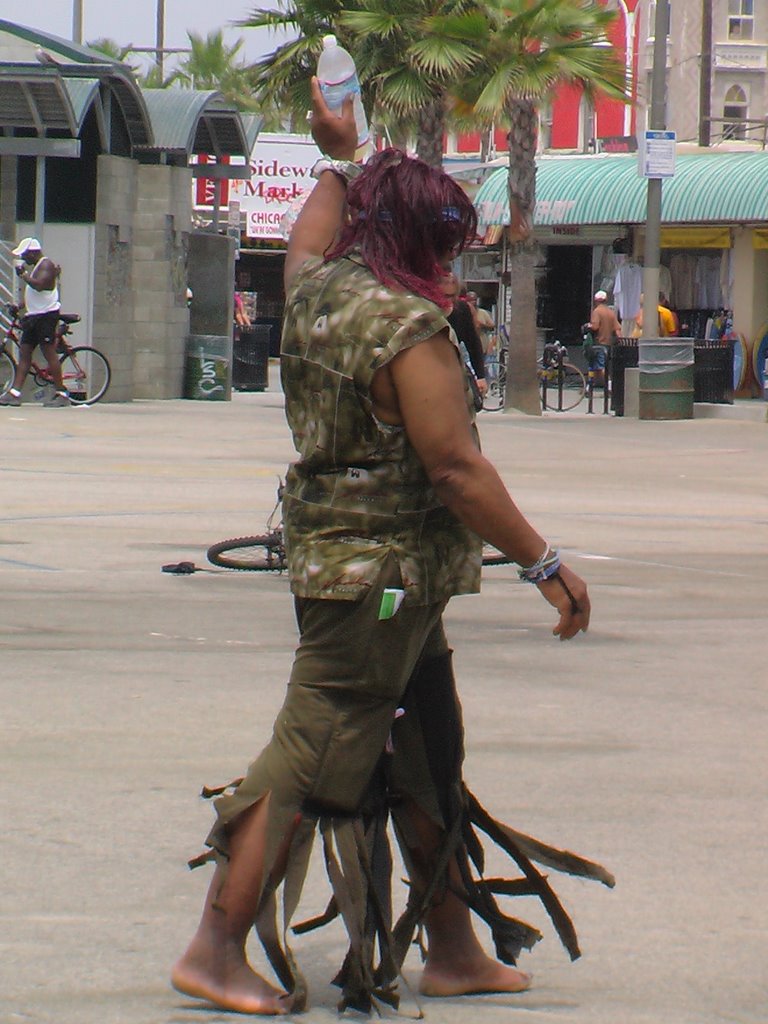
pixel 736 107
pixel 651 21
pixel 741 21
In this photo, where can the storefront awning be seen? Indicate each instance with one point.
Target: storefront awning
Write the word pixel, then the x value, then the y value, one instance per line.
pixel 713 188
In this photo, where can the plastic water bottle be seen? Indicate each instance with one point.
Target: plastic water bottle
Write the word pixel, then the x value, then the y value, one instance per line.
pixel 338 79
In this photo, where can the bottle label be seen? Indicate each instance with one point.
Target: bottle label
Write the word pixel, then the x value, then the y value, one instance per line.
pixel 334 95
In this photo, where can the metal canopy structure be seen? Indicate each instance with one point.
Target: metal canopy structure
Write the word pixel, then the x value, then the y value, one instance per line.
pixel 49 85
pixel 189 123
pixel 707 188
pixel 36 99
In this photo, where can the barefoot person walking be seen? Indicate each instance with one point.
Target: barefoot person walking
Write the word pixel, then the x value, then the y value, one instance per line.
pixel 383 512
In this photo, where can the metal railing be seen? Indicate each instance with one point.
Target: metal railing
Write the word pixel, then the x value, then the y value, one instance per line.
pixel 7 282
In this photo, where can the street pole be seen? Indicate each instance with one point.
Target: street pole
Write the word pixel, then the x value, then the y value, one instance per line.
pixel 77 21
pixel 160 37
pixel 705 74
pixel 653 216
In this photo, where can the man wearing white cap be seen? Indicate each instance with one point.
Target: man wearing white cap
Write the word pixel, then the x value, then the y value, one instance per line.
pixel 605 326
pixel 41 301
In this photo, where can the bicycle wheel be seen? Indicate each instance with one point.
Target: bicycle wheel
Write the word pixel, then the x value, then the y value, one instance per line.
pixel 495 376
pixel 7 371
pixel 492 556
pixel 86 373
pixel 262 553
pixel 574 387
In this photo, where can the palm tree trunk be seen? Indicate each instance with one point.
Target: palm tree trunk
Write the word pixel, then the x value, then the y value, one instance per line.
pixel 522 382
pixel 430 131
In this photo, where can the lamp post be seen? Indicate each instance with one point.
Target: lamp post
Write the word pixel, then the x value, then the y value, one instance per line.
pixel 653 217
pixel 160 36
pixel 77 21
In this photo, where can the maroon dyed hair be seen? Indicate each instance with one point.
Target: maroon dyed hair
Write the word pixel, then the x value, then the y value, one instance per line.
pixel 408 219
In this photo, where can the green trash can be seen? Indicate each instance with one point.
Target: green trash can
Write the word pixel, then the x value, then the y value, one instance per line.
pixel 208 368
pixel 666 378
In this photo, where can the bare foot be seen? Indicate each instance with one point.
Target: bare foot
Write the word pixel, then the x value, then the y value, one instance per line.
pixel 228 983
pixel 474 977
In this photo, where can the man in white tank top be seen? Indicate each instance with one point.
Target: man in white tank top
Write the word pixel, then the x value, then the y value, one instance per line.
pixel 41 301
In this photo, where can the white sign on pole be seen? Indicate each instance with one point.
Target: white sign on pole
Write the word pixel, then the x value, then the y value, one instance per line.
pixel 657 154
pixel 280 166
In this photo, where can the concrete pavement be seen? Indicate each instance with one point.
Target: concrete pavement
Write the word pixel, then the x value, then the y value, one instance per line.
pixel 124 689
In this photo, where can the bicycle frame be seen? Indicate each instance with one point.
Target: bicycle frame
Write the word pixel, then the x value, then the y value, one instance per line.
pixel 42 374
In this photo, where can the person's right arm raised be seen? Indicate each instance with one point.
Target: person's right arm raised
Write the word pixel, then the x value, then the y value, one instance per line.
pixel 428 385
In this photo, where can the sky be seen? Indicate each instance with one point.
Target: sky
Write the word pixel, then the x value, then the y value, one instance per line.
pixel 134 21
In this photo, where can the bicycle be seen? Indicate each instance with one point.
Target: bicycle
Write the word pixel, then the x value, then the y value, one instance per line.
pixel 553 373
pixel 566 379
pixel 85 370
pixel 265 552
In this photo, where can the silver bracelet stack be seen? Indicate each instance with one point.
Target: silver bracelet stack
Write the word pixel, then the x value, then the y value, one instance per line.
pixel 544 568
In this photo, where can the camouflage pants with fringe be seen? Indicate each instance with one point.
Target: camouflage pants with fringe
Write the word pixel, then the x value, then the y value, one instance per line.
pixel 371 724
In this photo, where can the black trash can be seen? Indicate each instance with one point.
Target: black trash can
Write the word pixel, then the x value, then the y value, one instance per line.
pixel 250 359
pixel 622 354
pixel 713 372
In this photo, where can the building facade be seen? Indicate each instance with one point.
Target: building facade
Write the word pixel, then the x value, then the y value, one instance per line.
pixel 717 69
pixel 717 82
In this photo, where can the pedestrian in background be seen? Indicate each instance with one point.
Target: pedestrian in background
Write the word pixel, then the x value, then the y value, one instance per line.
pixel 38 324
pixel 605 328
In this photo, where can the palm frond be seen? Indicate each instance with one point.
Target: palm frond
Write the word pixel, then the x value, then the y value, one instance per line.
pixel 441 57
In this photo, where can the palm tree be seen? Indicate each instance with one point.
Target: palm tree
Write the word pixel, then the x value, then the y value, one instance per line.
pixel 525 50
pixel 280 80
pixel 412 64
pixel 112 49
pixel 212 64
pixel 425 62
pixel 151 79
pixel 405 70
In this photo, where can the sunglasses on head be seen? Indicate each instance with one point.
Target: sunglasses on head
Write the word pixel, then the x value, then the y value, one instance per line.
pixel 448 215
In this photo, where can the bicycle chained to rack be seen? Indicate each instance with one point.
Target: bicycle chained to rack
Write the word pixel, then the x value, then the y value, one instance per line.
pixel 562 385
pixel 85 371
pixel 551 373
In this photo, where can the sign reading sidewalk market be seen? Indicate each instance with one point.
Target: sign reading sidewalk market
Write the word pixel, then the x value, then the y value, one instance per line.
pixel 657 154
pixel 280 166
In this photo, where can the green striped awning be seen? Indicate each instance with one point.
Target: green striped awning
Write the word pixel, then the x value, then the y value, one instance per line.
pixel 713 188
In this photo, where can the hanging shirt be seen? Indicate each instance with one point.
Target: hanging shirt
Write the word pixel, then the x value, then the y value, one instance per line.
pixel 627 289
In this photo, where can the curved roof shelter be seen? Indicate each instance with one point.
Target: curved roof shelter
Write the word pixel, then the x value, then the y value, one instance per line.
pixel 707 188
pixel 50 84
pixel 191 123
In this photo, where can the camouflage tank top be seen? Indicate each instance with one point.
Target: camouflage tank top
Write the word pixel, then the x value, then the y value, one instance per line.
pixel 358 492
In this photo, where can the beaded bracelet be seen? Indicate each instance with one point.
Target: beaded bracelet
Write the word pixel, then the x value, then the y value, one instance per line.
pixel 543 568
